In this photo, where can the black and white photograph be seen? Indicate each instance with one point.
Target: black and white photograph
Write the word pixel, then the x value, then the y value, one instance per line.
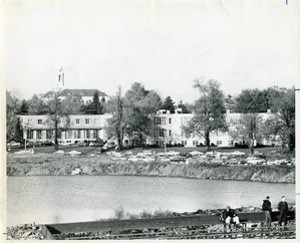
pixel 149 119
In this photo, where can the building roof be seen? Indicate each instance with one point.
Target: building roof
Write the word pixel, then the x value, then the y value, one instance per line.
pixel 79 92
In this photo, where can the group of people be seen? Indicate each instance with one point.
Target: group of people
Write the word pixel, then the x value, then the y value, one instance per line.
pixel 229 216
pixel 282 208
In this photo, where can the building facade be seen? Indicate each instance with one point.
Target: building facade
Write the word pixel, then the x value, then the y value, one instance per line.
pixel 71 129
pixel 86 95
pixel 169 129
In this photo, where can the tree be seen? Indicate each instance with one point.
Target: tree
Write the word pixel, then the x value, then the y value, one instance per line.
pixel 36 106
pixel 94 107
pixel 255 100
pixel 283 123
pixel 248 101
pixel 72 104
pixel 248 129
pixel 18 132
pixel 186 108
pixel 151 102
pixel 139 105
pixel 209 111
pixel 57 111
pixel 24 108
pixel 116 125
pixel 12 110
pixel 169 104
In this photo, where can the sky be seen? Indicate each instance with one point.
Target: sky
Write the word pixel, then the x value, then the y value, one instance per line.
pixel 164 45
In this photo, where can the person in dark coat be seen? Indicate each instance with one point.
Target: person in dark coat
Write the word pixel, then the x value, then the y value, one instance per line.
pixel 283 211
pixel 229 217
pixel 266 207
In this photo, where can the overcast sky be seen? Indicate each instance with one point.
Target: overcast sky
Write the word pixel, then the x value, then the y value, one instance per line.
pixel 165 45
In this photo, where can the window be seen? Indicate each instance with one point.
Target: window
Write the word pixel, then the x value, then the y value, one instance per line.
pixel 78 134
pixel 170 120
pixel 29 134
pixel 40 121
pixel 159 143
pixel 70 134
pixel 39 134
pixel 219 142
pixel 195 142
pixel 87 134
pixel 161 132
pixel 77 121
pixel 185 120
pixel 87 121
pixel 96 120
pixel 157 120
pixel 183 142
pixel 170 133
pixel 68 121
pixel 163 121
pixel 49 134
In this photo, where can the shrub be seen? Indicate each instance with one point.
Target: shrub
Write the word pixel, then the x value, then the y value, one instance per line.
pixel 119 212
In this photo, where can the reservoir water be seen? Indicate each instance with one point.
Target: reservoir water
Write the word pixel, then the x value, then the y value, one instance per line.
pixel 62 199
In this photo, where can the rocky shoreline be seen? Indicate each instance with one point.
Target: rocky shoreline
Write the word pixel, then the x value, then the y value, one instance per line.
pixel 61 165
pixel 34 231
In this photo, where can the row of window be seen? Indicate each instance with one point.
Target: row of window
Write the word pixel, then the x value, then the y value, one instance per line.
pixel 81 134
pixel 162 120
pixel 77 121
pixel 219 142
pixel 161 132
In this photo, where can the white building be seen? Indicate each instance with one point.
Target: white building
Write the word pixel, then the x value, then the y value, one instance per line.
pixel 170 130
pixel 73 128
pixel 85 94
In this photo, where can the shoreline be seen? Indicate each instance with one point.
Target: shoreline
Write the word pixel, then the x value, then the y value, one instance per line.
pixel 103 165
pixel 211 223
pixel 154 176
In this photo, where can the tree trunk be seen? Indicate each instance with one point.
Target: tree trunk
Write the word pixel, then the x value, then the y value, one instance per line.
pixel 56 135
pixel 251 147
pixel 207 139
pixel 120 139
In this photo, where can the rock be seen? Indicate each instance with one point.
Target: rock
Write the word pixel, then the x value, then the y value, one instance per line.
pixel 74 152
pixel 77 171
pixel 29 151
pixel 195 153
pixel 59 152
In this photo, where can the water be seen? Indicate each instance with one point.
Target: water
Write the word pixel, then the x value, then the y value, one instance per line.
pixel 62 199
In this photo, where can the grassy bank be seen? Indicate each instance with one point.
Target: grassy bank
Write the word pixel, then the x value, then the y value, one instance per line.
pixel 47 164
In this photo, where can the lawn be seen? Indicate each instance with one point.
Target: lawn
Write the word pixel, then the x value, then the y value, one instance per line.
pixel 90 150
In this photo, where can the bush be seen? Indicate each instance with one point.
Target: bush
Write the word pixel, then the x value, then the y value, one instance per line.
pixel 119 212
pixel 236 145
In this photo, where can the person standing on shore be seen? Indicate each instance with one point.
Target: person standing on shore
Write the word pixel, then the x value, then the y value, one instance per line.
pixel 266 207
pixel 283 210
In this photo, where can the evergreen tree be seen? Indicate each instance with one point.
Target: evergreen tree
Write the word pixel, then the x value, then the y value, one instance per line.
pixel 24 108
pixel 184 107
pixel 169 104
